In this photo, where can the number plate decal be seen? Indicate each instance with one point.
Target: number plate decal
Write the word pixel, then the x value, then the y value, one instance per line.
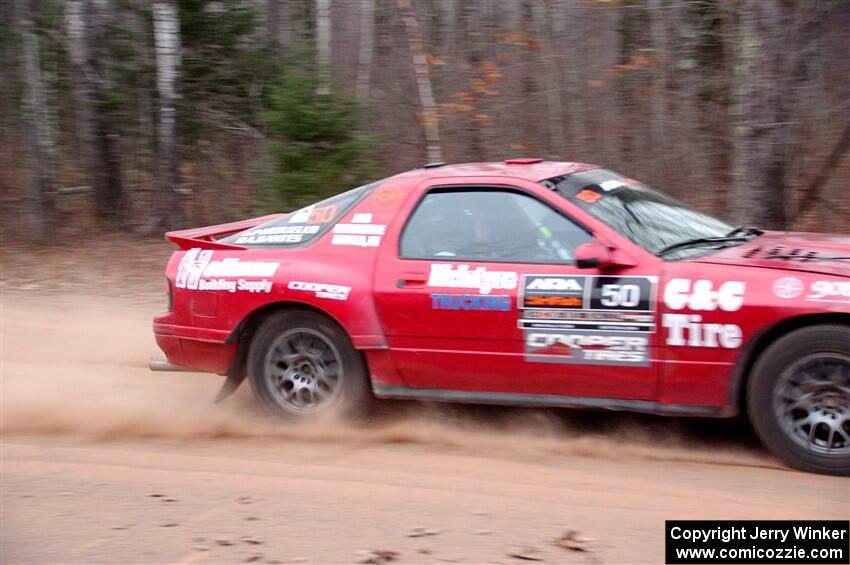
pixel 587 319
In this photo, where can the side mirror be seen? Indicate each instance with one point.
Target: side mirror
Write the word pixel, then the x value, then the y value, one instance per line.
pixel 595 255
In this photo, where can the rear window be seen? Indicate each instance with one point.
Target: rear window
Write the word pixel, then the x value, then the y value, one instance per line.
pixel 304 225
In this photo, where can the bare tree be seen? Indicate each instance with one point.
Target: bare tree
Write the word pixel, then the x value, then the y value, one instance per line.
pixel 76 29
pixel 98 144
pixel 658 100
pixel 323 44
pixel 167 41
pixel 762 121
pixel 40 201
pixel 366 48
pixel 565 16
pixel 552 84
pixel 429 115
pixel 273 24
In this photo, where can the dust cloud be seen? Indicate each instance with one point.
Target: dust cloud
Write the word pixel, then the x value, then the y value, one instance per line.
pixel 79 369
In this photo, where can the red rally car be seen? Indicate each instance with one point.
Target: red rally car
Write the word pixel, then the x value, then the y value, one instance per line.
pixel 529 283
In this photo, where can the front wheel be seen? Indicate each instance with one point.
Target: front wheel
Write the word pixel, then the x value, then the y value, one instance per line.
pixel 799 399
pixel 302 364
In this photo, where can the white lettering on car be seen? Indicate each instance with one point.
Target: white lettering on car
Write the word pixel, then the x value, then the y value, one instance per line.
pixel 445 275
pixel 358 234
pixel 587 348
pixel 301 216
pixel 689 329
pixel 322 290
pixel 819 291
pixel 559 283
pixel 197 264
pixel 356 240
pixel 829 291
pixel 679 294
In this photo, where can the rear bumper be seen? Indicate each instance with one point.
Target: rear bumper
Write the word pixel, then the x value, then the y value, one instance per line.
pixel 201 349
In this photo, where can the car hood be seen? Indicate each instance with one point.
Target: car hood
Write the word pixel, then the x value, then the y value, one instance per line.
pixel 811 252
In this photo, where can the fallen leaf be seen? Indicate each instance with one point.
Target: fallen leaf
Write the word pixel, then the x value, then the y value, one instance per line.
pixel 376 556
pixel 421 532
pixel 573 541
pixel 526 553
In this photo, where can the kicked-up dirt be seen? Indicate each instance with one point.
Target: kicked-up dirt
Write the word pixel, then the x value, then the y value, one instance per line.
pixel 104 461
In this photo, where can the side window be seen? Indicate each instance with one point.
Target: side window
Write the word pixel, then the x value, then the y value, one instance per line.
pixel 489 225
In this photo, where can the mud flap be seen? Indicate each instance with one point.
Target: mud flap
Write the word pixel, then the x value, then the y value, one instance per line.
pixel 231 383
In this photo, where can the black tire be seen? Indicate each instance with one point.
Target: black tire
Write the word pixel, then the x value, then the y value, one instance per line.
pixel 798 398
pixel 298 355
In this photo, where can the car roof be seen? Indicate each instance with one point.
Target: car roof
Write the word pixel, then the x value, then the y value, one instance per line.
pixel 529 169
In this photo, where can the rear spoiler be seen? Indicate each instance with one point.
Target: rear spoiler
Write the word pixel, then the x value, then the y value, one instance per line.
pixel 205 237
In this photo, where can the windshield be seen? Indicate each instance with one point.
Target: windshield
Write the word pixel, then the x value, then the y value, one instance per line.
pixel 651 219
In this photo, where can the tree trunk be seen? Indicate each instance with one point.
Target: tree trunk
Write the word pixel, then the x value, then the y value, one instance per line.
pixel 624 83
pixel 323 44
pixel 367 42
pixel 552 83
pixel 568 26
pixel 40 201
pixel 273 25
pixel 658 99
pixel 100 148
pixel 762 91
pixel 429 116
pixel 167 42
pixel 76 29
pixel 470 44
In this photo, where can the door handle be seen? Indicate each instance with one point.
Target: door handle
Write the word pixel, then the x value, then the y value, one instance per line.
pixel 412 280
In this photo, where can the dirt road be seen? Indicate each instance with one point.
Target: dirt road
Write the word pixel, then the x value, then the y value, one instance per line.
pixel 104 461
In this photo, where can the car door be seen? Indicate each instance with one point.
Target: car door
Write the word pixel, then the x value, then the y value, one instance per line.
pixel 477 290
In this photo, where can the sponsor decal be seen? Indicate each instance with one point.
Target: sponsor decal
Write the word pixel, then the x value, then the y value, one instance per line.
pixel 322 215
pixel 301 216
pixel 361 218
pixel 356 240
pixel 588 196
pixel 610 185
pixel 360 229
pixel 313 215
pixel 788 287
pixel 262 285
pixel 829 291
pixel 500 302
pixel 588 302
pixel 277 234
pixel 587 347
pixel 680 294
pixel 358 234
pixel 322 290
pixel 818 291
pixel 387 196
pixel 479 278
pixel 689 329
pixel 587 319
pixel 553 291
pixel 198 271
pixel 613 321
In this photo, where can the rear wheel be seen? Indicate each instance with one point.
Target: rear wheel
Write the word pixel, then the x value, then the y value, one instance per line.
pixel 302 364
pixel 799 399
